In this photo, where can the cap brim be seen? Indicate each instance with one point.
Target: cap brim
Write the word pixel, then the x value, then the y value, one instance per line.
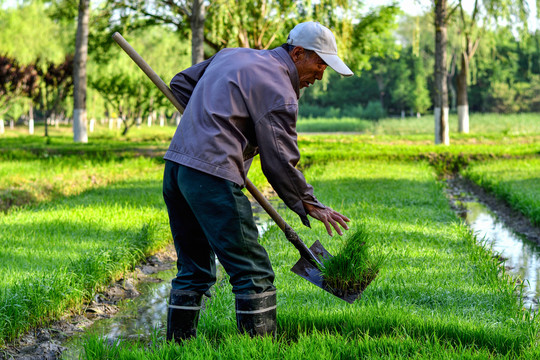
pixel 336 63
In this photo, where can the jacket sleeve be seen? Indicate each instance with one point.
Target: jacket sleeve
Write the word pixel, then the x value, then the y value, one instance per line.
pixel 278 147
pixel 183 83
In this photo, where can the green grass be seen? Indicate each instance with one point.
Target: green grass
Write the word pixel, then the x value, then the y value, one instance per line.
pixel 37 180
pixel 438 288
pixel 335 125
pixel 85 213
pixel 516 181
pixel 514 125
pixel 53 255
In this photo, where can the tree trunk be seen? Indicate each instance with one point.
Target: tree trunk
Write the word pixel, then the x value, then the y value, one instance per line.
pixel 31 120
pixel 441 86
pixel 463 101
pixel 79 74
pixel 2 129
pixel 380 85
pixel 198 17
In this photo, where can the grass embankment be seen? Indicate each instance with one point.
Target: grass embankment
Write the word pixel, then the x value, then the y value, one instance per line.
pixel 105 217
pixel 438 296
pixel 516 181
pixel 481 126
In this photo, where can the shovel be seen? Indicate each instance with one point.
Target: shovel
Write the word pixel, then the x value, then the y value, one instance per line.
pixel 310 261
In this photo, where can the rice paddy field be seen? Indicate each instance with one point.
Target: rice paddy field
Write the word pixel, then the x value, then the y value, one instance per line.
pixel 76 216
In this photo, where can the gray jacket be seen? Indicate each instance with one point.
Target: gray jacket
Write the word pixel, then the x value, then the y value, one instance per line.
pixel 239 103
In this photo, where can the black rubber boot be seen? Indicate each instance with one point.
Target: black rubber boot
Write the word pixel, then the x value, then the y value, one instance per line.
pixel 183 315
pixel 256 314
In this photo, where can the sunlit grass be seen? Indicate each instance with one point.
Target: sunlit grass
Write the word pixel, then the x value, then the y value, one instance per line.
pixel 516 181
pixel 438 288
pixel 32 181
pixel 96 209
pixel 54 255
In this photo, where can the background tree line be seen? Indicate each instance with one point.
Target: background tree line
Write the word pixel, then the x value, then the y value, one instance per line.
pixel 392 54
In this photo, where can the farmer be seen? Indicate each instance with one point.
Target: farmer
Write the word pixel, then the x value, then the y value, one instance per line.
pixel 239 103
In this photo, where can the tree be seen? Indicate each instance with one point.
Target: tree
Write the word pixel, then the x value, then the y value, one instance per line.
pixel 79 74
pixel 16 81
pixel 185 15
pixel 252 24
pixel 472 29
pixel 124 87
pixel 54 86
pixel 441 87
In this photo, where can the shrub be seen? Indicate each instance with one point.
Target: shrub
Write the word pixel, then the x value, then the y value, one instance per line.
pixel 353 111
pixel 373 111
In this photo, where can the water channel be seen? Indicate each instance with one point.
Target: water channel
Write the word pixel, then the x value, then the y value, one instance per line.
pixel 521 257
pixel 140 317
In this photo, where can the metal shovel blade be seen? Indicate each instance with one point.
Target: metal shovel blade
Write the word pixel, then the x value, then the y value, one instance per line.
pixel 309 271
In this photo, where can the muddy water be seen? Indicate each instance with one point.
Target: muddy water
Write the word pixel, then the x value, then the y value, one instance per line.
pixel 522 257
pixel 510 235
pixel 146 314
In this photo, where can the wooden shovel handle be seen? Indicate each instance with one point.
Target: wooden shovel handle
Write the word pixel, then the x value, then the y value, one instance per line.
pixel 147 70
pixel 290 234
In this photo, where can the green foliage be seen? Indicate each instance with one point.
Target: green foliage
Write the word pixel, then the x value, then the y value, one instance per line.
pixel 27 34
pixel 373 111
pixel 355 266
pixel 333 125
pixel 373 37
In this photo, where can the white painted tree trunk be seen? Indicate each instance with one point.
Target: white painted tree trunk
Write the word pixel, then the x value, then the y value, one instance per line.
pixel 2 129
pixel 463 118
pixel 403 114
pixel 149 121
pixel 11 124
pixel 80 133
pixel 119 123
pixel 178 117
pixel 79 73
pixel 161 120
pixel 111 123
pixel 31 121
pixel 442 136
pixel 92 124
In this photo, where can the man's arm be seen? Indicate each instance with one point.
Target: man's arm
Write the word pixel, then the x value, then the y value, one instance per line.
pixel 276 137
pixel 183 83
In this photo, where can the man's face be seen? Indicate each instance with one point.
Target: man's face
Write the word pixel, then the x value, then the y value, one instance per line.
pixel 309 65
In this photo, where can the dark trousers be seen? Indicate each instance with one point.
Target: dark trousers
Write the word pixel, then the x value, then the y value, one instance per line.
pixel 211 216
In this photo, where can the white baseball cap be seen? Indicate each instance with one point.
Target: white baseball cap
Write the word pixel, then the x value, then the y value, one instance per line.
pixel 312 35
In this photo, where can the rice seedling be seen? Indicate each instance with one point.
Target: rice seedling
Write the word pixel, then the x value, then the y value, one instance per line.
pixel 354 267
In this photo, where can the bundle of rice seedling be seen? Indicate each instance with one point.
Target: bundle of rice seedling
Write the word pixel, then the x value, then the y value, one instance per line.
pixel 354 268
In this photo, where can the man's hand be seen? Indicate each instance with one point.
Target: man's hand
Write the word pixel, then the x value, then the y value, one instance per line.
pixel 330 218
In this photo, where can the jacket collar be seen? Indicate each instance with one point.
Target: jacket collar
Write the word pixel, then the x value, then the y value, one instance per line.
pixel 292 72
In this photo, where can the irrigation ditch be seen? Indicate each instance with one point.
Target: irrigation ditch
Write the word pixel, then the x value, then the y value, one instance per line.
pixel 135 306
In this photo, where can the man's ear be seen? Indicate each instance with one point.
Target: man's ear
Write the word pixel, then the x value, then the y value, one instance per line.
pixel 297 53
